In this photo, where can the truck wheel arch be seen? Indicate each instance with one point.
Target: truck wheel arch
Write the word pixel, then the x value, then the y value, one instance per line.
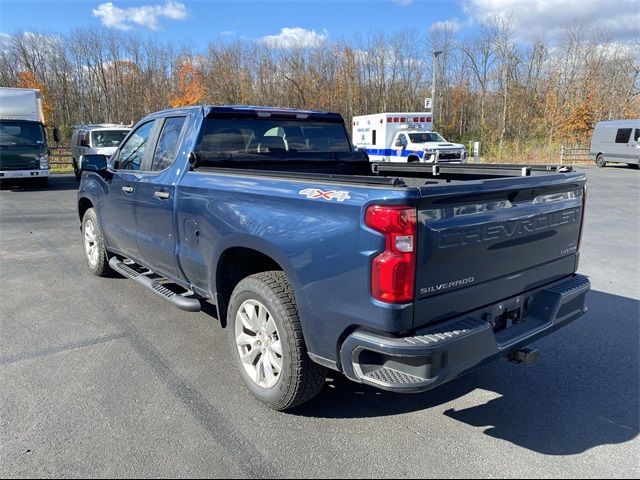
pixel 235 264
pixel 84 204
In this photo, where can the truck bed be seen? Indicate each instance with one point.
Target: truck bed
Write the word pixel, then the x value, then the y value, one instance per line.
pixel 485 232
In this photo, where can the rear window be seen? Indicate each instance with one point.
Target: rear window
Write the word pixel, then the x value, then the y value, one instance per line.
pixel 271 137
pixel 623 135
pixel 107 138
pixel 21 134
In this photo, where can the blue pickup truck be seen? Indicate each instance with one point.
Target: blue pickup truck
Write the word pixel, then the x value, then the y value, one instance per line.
pixel 400 276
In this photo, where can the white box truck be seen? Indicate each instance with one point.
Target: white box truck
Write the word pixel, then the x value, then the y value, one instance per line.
pixel 616 141
pixel 23 142
pixel 404 137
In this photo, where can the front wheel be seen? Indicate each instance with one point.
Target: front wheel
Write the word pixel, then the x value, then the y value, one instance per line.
pixel 267 344
pixel 94 249
pixel 600 161
pixel 42 182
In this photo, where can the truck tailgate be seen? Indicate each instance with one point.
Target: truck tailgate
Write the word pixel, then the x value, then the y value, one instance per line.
pixel 482 242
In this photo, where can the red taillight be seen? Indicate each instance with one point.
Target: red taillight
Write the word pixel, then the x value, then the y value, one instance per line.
pixel 393 271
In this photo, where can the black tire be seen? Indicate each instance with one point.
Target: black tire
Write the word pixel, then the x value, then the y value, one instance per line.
pixel 600 161
pixel 76 170
pixel 100 267
pixel 634 166
pixel 300 379
pixel 413 159
pixel 41 182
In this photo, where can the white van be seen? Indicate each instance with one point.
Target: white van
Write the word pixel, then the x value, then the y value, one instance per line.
pixel 404 137
pixel 616 141
pixel 102 138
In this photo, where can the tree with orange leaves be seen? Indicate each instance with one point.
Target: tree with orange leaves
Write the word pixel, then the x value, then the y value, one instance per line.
pixel 27 79
pixel 190 86
pixel 578 125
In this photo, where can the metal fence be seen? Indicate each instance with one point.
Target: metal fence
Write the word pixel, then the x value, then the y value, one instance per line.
pixel 574 154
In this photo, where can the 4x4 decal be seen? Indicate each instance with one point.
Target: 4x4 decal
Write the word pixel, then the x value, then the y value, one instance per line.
pixel 330 195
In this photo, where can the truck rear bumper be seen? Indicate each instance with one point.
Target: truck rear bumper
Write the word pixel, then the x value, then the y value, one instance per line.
pixel 438 354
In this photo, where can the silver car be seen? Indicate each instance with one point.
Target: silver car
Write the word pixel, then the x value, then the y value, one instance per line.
pixel 101 139
pixel 616 141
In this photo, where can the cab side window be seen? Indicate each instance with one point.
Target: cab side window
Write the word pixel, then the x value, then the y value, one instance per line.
pixel 132 152
pixel 167 148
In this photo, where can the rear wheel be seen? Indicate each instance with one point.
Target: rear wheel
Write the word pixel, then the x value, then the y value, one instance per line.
pixel 93 242
pixel 600 161
pixel 267 344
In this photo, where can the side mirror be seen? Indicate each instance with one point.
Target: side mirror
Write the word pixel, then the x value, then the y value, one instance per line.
pixel 56 135
pixel 399 143
pixel 93 163
pixel 84 143
pixel 193 161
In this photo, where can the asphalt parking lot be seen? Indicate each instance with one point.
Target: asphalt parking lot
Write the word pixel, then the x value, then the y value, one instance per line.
pixel 99 377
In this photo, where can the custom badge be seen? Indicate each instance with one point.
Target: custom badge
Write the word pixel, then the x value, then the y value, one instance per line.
pixel 330 195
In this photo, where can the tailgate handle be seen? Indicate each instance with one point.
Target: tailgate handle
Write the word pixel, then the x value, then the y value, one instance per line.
pixel 127 189
pixel 162 195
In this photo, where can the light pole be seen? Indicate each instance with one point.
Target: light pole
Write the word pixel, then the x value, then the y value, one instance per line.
pixel 436 54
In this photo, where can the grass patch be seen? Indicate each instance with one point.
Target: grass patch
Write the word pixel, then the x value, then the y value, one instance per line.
pixel 62 169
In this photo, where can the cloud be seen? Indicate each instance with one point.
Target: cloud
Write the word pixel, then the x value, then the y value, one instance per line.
pixel 290 37
pixel 549 18
pixel 403 3
pixel 145 16
pixel 227 33
pixel 453 26
pixel 6 42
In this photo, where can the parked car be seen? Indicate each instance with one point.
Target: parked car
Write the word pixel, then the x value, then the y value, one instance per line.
pixel 101 138
pixel 400 276
pixel 616 141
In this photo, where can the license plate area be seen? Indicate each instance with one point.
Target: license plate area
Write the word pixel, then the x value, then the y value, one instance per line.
pixel 506 314
pixel 516 317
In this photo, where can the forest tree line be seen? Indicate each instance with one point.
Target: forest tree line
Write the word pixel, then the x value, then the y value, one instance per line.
pixel 517 97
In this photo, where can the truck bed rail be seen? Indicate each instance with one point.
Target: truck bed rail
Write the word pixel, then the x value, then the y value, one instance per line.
pixel 468 171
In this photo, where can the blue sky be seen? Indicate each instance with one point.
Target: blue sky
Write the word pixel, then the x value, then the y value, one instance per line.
pixel 225 20
pixel 311 21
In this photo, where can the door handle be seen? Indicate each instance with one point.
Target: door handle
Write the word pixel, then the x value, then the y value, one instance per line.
pixel 162 195
pixel 127 189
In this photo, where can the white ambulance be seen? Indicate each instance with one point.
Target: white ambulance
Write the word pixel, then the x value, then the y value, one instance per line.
pixel 404 137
